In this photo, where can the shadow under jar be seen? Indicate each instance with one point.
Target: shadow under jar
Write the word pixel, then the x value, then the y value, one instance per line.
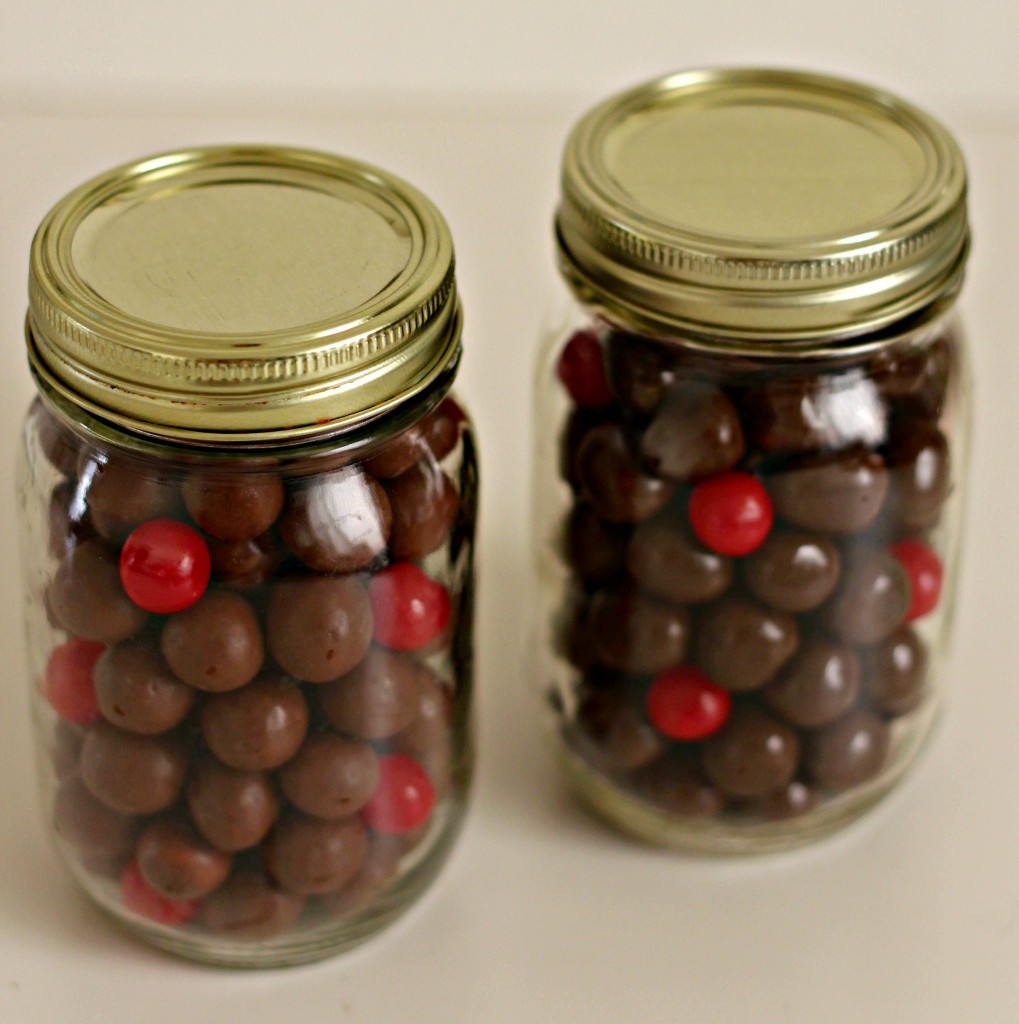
pixel 248 507
pixel 753 430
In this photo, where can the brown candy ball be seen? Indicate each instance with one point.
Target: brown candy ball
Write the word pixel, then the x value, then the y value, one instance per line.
pixel 839 492
pixel 639 371
pixel 216 644
pixel 425 504
pixel 130 773
pixel 579 422
pixel 58 444
pixel 338 522
pixel 594 549
pixel 675 786
pixel 919 465
pixel 137 691
pixel 792 801
pixel 793 571
pixel 872 599
pixel 245 563
pixel 377 699
pixel 752 755
pixel 87 599
pixel 67 519
pixel 696 433
pixel 309 855
pixel 431 728
pixel 65 748
pixel 613 733
pixel 249 908
pixel 667 560
pixel 741 645
pixel 318 629
pixel 122 494
pixel 330 776
pixel 895 671
pixel 100 835
pixel 819 684
pixel 379 870
pixel 178 863
pixel 233 809
pixel 849 752
pixel 259 726
pixel 233 506
pixel 638 634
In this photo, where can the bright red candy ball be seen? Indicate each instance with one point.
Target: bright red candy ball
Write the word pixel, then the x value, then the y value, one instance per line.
pixel 408 607
pixel 69 685
pixel 403 798
pixel 684 704
pixel 140 898
pixel 581 368
pixel 925 572
pixel 165 566
pixel 731 513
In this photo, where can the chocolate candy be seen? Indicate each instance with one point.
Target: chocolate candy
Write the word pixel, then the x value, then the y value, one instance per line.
pixel 675 786
pixel 233 506
pixel 425 503
pixel 259 726
pixel 872 599
pixel 249 908
pixel 379 870
pixel 633 633
pixel 792 801
pixel 216 644
pixel 849 752
pixel 103 837
pixel 330 776
pixel 436 434
pixel 430 730
pixel 378 699
pixel 65 749
pixel 612 480
pixel 130 773
pixel 308 855
pixel 245 563
pixel 178 863
pixel 793 571
pixel 595 549
pixel 920 471
pixel 667 560
pixel 839 492
pixel 753 755
pixel 68 519
pixel 613 732
pixel 122 494
pixel 695 433
pixel 233 809
pixel 137 692
pixel 57 443
pixel 896 672
pixel 87 599
pixel 818 685
pixel 640 371
pixel 741 645
pixel 339 522
pixel 319 628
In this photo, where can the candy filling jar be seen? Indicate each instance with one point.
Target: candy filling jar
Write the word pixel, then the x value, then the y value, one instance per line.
pixel 248 505
pixel 752 423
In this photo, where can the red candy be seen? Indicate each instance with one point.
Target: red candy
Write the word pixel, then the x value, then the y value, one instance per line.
pixel 925 572
pixel 164 566
pixel 731 513
pixel 408 607
pixel 69 686
pixel 581 368
pixel 403 798
pixel 140 898
pixel 684 704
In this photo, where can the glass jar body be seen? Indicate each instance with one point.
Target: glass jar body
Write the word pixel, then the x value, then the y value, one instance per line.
pixel 747 560
pixel 251 674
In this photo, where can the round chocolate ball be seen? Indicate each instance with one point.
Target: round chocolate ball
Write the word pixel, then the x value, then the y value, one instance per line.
pixel 895 672
pixel 613 482
pixel 130 773
pixel 695 433
pixel 579 422
pixel 249 908
pixel 87 598
pixel 793 571
pixel 178 863
pixel 849 752
pixel 425 504
pixel 872 599
pixel 638 634
pixel 338 522
pixel 57 443
pixel 594 548
pixel 330 776
pixel 216 644
pixel 309 855
pixel 98 833
pixel 674 785
pixel 319 628
pixel 259 726
pixel 792 801
pixel 919 466
pixel 378 699
pixel 612 732
pixel 915 376
pixel 835 492
pixel 245 563
pixel 741 645
pixel 379 870
pixel 137 692
pixel 65 748
pixel 431 728
pixel 442 428
pixel 233 506
pixel 639 371
pixel 668 561
pixel 67 519
pixel 121 494
pixel 752 755
pixel 233 809
pixel 817 685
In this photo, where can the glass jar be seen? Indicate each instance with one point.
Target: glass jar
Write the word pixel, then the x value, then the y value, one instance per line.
pixel 248 506
pixel 752 434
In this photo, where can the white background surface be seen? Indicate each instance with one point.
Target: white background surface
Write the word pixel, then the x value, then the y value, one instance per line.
pixel 543 915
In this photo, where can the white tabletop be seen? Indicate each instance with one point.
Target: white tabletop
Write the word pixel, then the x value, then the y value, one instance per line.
pixel 542 913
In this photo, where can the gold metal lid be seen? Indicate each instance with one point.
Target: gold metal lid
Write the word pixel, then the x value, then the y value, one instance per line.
pixel 761 205
pixel 242 294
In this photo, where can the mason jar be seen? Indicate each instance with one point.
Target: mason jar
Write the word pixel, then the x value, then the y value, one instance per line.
pixel 751 444
pixel 247 512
